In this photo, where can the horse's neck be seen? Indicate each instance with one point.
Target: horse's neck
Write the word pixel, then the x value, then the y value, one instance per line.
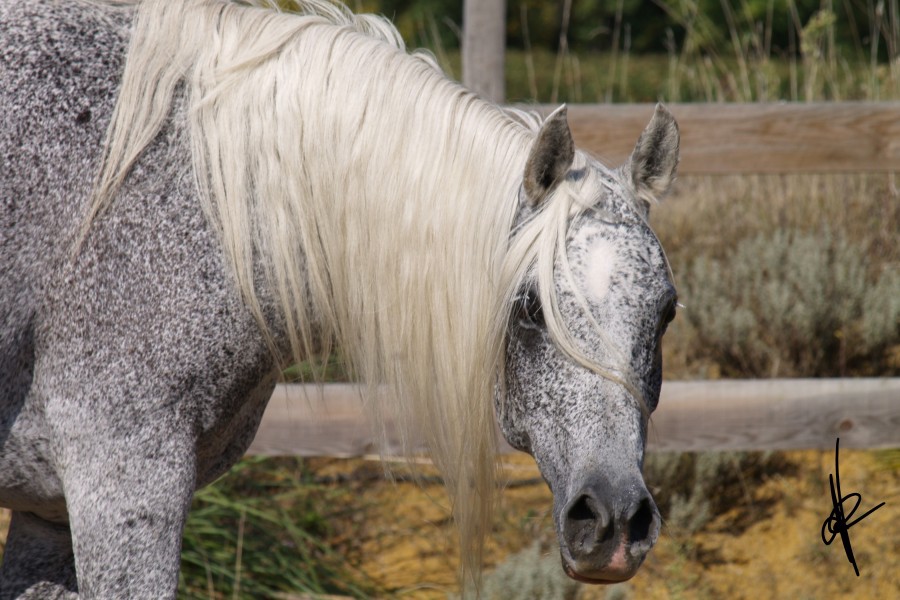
pixel 362 178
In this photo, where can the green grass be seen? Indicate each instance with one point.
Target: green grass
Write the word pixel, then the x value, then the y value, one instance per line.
pixel 261 531
pixel 603 77
pixel 328 370
pixel 703 66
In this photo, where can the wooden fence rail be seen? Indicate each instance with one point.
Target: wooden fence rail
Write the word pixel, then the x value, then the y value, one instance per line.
pixel 775 414
pixel 753 138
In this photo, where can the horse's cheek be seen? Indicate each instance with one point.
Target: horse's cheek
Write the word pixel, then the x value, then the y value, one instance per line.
pixel 519 410
pixel 511 406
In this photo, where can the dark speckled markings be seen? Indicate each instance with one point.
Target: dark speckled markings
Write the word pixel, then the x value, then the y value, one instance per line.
pixel 132 373
pixel 586 432
pixel 131 376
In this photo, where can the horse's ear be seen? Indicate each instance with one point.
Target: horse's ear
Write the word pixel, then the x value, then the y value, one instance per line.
pixel 550 158
pixel 655 157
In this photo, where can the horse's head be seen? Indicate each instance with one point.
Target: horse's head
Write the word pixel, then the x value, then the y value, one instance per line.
pixel 584 366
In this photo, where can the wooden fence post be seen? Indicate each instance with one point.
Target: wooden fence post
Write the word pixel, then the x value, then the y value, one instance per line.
pixel 484 48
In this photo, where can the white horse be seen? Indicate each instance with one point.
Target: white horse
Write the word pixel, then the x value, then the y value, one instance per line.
pixel 196 193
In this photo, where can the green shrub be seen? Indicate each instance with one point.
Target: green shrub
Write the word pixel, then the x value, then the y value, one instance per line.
pixel 529 575
pixel 793 304
pixel 691 489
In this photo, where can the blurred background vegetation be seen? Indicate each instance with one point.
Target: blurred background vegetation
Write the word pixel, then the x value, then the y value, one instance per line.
pixel 675 50
pixel 649 26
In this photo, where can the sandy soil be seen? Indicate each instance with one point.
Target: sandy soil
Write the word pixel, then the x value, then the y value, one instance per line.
pixel 770 547
pixel 767 547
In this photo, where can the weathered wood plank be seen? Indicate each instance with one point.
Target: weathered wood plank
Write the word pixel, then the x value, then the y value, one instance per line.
pixel 692 416
pixel 777 414
pixel 752 138
pixel 307 420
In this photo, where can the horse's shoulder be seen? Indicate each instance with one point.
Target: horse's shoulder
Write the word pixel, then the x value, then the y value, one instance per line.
pixel 62 46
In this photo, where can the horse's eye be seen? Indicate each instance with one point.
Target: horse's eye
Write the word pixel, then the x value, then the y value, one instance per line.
pixel 529 312
pixel 669 316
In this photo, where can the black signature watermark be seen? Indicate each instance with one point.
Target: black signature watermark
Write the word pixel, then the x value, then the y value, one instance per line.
pixel 838 522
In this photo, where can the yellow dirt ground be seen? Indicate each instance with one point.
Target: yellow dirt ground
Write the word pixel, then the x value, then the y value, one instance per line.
pixel 770 548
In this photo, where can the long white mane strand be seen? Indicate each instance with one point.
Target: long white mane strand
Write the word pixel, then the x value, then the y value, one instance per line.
pixel 376 197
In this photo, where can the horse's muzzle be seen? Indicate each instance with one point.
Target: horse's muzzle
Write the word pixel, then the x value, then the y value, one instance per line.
pixel 607 531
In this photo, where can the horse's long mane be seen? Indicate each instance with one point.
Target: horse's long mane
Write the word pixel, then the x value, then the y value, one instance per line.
pixel 377 197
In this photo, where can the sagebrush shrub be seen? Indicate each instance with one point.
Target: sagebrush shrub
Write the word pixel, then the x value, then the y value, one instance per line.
pixel 793 303
pixel 692 489
pixel 529 575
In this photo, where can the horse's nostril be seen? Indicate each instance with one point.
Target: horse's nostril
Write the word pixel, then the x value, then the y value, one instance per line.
pixel 608 533
pixel 587 523
pixel 581 510
pixel 641 522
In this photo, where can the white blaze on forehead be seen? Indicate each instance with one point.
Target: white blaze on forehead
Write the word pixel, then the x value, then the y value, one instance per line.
pixel 599 268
